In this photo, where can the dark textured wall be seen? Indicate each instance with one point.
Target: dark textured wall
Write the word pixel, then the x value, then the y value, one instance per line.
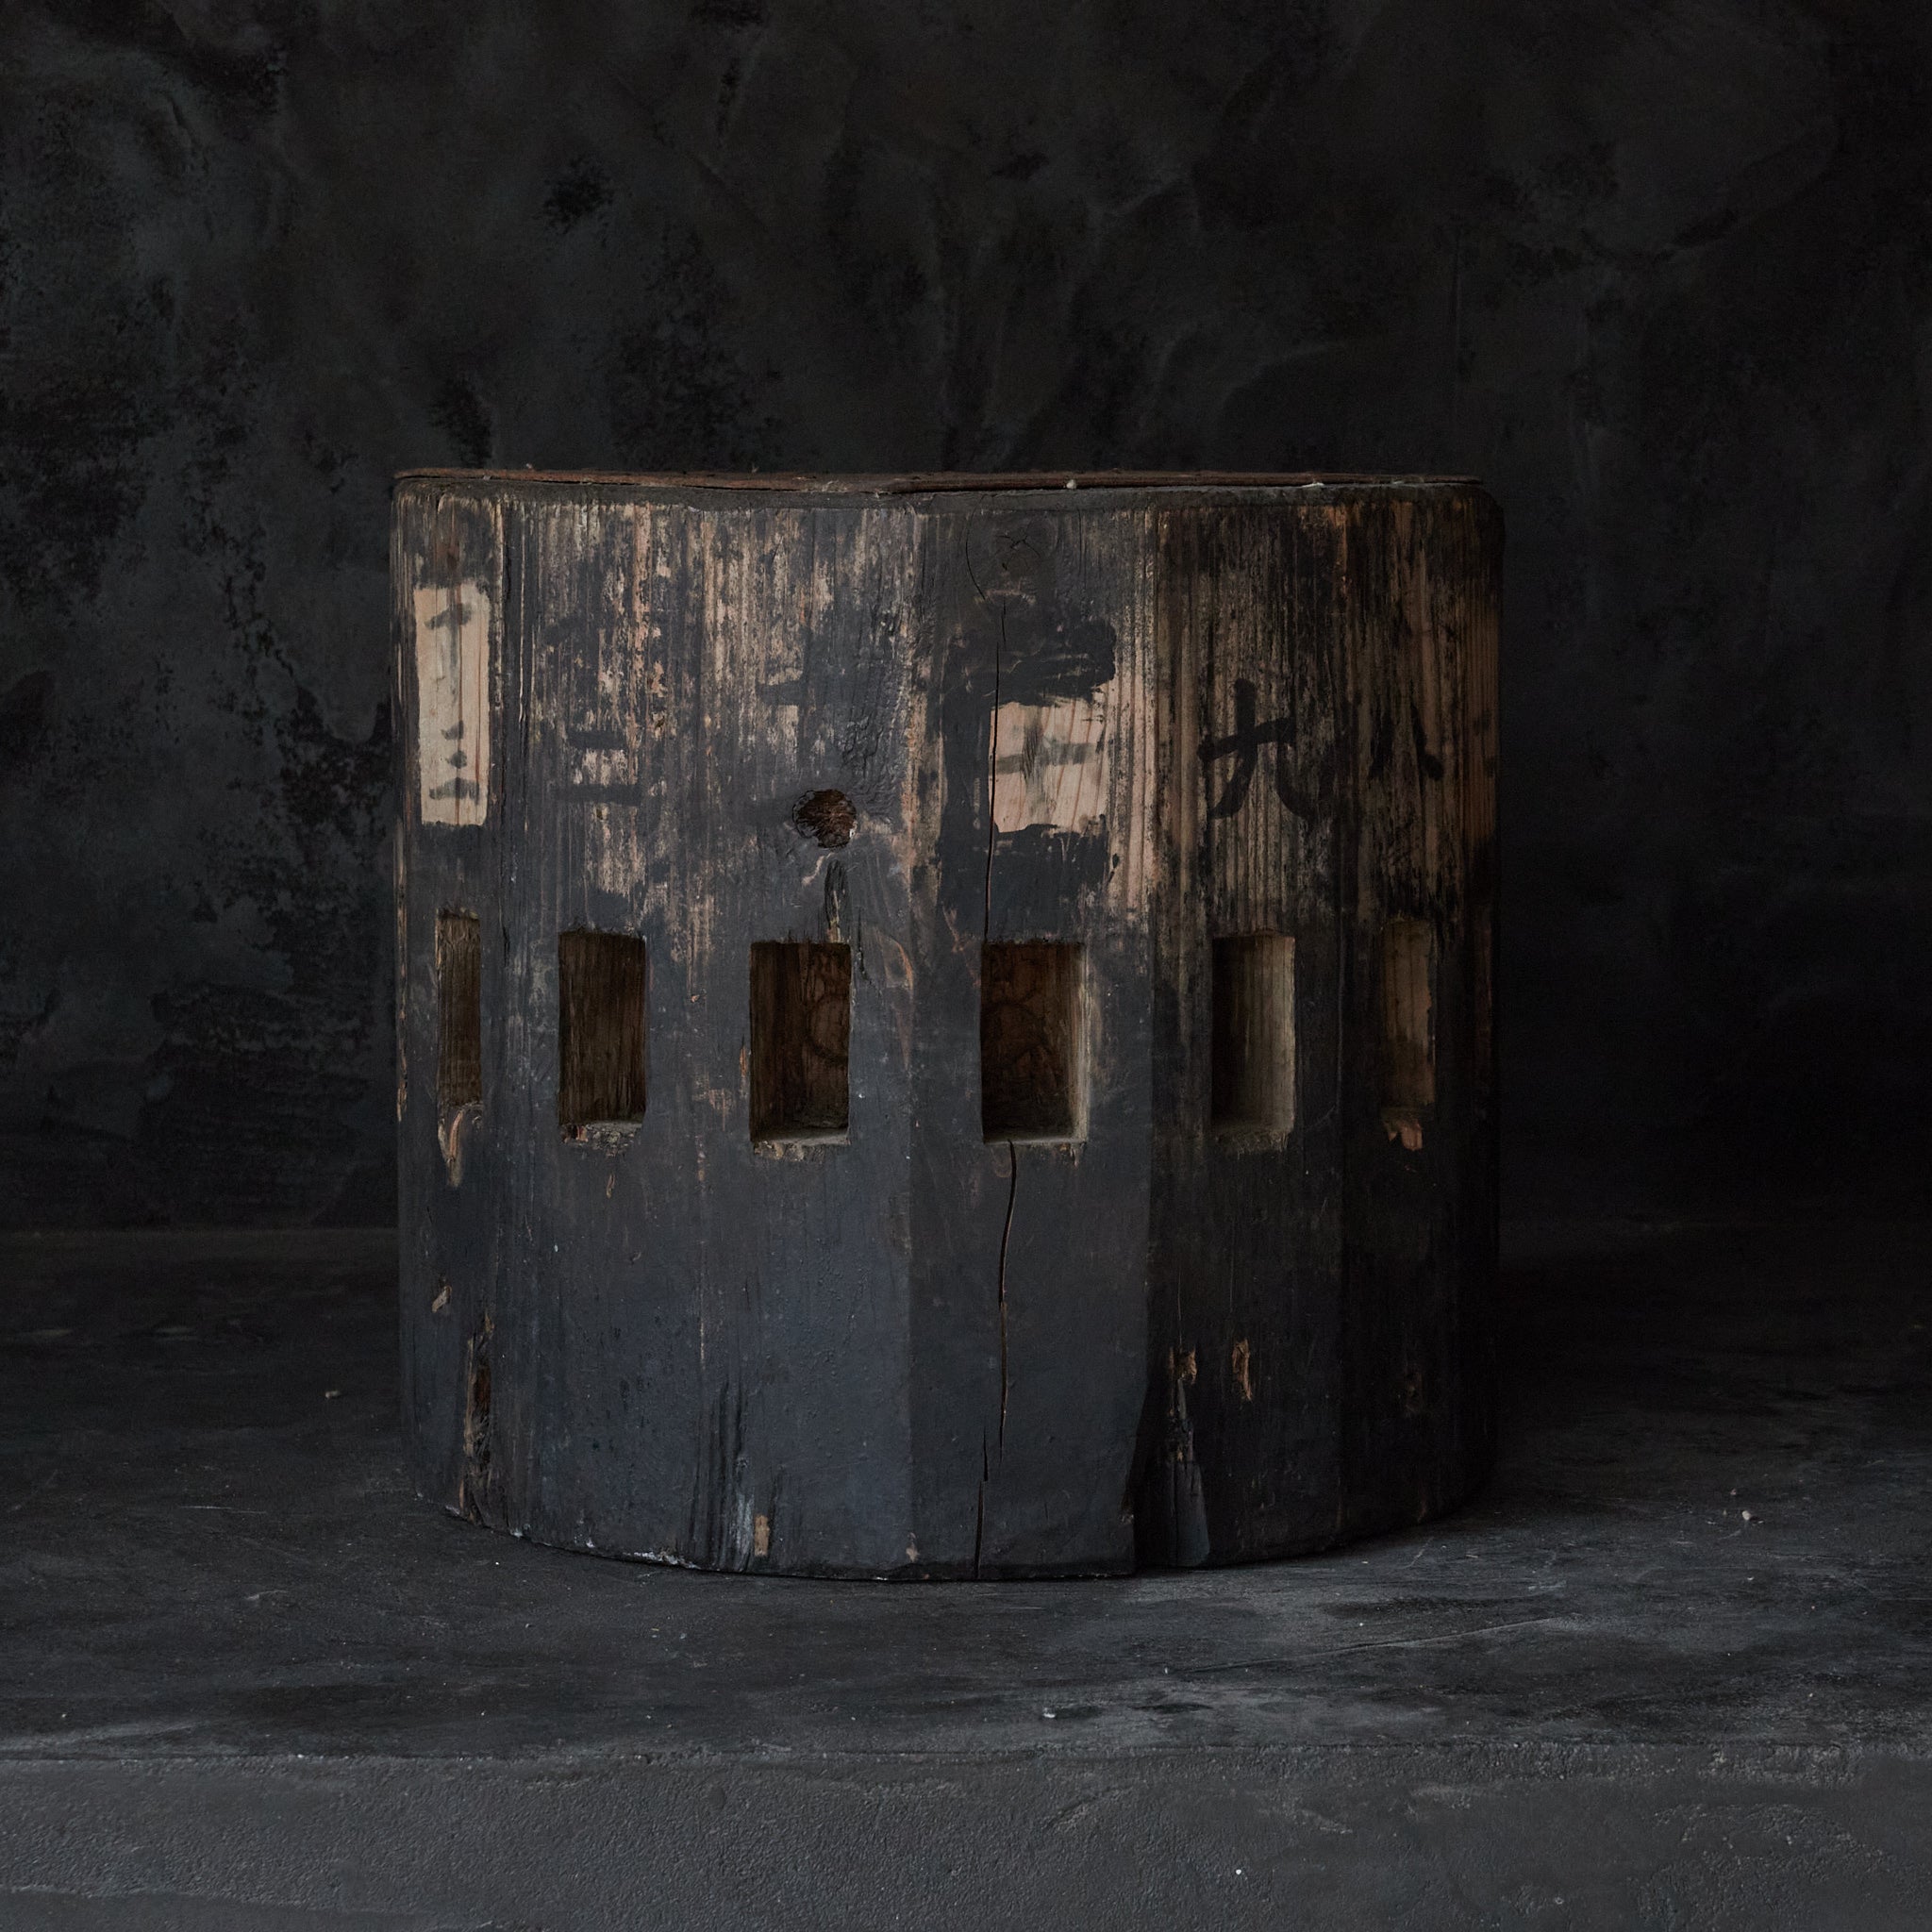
pixel 1657 270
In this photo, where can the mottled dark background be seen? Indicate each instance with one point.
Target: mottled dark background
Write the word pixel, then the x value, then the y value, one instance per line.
pixel 1660 271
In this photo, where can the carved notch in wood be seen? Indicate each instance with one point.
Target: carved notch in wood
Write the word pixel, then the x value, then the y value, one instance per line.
pixel 600 1029
pixel 1030 1043
pixel 801 1040
pixel 1252 1072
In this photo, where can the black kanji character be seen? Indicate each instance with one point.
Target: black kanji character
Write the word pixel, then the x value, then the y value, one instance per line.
pixel 1243 746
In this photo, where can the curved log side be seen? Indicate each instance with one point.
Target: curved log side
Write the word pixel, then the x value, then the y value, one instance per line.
pixel 946 1034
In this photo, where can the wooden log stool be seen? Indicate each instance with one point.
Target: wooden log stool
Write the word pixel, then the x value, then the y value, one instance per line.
pixel 944 1023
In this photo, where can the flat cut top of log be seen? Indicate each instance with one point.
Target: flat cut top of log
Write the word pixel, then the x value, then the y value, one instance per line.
pixel 942 482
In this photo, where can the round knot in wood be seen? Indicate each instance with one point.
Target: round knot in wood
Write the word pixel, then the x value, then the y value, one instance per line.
pixel 827 816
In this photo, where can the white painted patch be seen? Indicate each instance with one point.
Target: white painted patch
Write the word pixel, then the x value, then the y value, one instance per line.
pixel 453 702
pixel 1050 764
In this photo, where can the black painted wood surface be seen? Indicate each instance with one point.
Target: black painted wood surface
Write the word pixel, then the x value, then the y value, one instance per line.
pixel 801 735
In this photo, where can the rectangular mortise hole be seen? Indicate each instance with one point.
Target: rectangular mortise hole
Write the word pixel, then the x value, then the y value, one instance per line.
pixel 1030 1041
pixel 1409 1045
pixel 1252 1056
pixel 459 1010
pixel 600 1028
pixel 801 1040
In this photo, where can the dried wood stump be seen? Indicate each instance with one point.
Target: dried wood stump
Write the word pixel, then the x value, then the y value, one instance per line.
pixel 944 1023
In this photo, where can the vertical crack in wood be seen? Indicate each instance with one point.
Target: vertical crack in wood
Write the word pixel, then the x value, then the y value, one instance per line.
pixel 475 1485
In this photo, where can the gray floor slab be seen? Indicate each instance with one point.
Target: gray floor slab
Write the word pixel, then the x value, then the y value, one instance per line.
pixel 248 1678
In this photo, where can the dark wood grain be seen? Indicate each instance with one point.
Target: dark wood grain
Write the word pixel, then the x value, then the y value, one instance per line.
pixel 981 1012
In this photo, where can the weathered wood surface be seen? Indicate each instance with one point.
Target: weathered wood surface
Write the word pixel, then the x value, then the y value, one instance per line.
pixel 1111 1303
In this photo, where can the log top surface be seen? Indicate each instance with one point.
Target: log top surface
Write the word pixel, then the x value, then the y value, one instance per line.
pixel 945 482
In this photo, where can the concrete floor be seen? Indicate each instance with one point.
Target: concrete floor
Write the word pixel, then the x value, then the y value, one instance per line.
pixel 248 1681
